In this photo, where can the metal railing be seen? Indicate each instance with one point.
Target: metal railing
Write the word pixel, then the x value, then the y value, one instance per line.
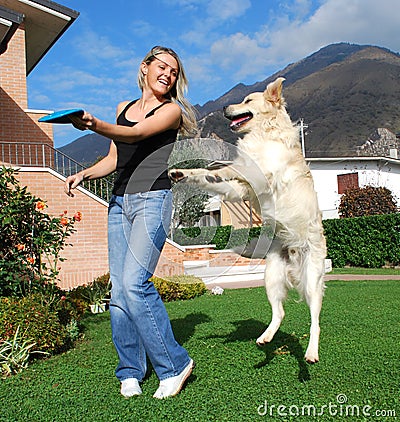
pixel 26 154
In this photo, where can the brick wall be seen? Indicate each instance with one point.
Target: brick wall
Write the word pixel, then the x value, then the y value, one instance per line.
pixel 13 69
pixel 17 124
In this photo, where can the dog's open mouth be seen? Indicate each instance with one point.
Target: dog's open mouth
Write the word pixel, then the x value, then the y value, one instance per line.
pixel 240 120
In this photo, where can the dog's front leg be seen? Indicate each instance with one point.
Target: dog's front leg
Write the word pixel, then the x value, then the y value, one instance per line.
pixel 221 181
pixel 202 176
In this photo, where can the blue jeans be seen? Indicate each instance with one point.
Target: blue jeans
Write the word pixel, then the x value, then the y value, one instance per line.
pixel 137 230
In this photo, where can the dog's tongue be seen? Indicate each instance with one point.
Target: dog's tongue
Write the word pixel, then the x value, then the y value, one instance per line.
pixel 238 121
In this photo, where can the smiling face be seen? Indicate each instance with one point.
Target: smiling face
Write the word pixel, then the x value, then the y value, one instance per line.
pixel 242 114
pixel 160 75
pixel 256 108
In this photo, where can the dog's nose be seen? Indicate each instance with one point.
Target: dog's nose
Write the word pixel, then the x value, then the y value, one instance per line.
pixel 224 108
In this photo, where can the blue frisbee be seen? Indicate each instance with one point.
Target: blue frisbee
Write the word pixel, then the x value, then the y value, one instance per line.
pixel 62 116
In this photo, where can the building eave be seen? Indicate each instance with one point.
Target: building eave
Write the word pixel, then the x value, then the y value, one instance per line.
pixel 45 22
pixel 353 158
pixel 9 22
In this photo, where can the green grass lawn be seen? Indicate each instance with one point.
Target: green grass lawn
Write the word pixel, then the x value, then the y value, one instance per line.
pixel 235 380
pixel 367 271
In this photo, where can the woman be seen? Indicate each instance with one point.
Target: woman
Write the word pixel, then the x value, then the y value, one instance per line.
pixel 139 217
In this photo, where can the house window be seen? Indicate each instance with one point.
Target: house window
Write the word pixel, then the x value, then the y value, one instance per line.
pixel 347 181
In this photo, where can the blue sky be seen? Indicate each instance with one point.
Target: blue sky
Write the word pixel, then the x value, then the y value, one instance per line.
pixel 221 43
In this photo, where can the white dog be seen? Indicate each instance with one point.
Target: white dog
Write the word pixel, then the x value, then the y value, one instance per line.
pixel 271 171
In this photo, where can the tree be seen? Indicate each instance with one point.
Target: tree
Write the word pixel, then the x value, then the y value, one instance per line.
pixel 369 200
pixel 189 201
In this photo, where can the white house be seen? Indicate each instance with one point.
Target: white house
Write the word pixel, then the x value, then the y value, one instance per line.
pixel 333 175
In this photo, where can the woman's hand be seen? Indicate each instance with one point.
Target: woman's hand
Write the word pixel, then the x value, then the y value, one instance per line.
pixel 84 122
pixel 72 182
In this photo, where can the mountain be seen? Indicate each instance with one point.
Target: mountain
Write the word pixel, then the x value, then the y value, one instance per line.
pixel 87 149
pixel 343 92
pixel 333 53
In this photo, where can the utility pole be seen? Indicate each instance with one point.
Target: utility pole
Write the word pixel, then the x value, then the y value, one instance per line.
pixel 302 127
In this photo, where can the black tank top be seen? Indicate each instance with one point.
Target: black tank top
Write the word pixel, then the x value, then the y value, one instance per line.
pixel 142 166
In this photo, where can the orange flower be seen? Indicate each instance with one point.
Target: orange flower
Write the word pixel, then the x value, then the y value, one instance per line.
pixel 30 260
pixel 64 221
pixel 20 247
pixel 78 216
pixel 40 205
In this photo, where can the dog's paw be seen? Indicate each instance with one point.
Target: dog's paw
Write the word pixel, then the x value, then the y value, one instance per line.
pixel 265 337
pixel 311 357
pixel 214 179
pixel 176 175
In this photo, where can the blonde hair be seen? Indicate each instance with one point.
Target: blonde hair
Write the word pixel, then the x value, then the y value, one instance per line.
pixel 177 93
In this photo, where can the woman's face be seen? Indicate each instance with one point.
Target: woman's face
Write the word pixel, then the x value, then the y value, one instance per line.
pixel 161 74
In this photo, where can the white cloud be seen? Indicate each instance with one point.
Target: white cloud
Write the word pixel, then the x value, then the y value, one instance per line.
pixel 286 38
pixel 141 28
pixel 93 46
pixel 355 21
pixel 240 54
pixel 227 9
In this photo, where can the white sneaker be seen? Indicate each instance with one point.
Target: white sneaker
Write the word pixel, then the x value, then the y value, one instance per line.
pixel 130 387
pixel 172 386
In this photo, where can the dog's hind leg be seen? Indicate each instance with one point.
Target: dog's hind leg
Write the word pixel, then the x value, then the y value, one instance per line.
pixel 313 293
pixel 276 288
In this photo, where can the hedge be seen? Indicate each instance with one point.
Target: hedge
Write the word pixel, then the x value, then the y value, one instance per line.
pixel 370 241
pixel 223 237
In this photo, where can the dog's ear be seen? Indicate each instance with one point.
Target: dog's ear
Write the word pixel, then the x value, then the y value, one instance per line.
pixel 273 93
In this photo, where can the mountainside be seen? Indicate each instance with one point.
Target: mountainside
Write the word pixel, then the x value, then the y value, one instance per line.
pixel 333 53
pixel 87 148
pixel 347 101
pixel 343 92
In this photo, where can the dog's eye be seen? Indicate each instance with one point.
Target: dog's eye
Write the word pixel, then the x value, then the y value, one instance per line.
pixel 247 100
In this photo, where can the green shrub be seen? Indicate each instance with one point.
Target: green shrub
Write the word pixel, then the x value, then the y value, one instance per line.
pixel 79 297
pixel 368 200
pixel 15 354
pixel 371 241
pixel 196 235
pixel 30 240
pixel 95 292
pixel 180 287
pixel 37 322
pixel 223 237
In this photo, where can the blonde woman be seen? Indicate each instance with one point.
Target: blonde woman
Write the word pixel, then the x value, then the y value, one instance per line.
pixel 139 217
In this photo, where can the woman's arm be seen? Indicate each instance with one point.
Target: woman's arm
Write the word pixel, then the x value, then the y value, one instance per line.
pixel 103 168
pixel 168 117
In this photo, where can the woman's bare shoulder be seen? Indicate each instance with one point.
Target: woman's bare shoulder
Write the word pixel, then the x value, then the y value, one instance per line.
pixel 122 105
